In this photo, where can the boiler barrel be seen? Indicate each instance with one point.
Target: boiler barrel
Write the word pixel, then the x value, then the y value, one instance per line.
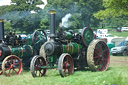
pixel 24 52
pixel 72 48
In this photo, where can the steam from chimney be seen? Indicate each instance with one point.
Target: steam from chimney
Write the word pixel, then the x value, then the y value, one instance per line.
pixel 65 22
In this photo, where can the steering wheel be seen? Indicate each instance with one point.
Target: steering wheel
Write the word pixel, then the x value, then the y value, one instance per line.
pixel 39 37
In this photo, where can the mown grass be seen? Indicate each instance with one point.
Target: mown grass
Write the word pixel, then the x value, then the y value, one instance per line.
pixel 120 34
pixel 115 75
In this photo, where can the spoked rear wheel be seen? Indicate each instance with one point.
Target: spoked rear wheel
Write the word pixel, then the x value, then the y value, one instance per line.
pixel 35 67
pixel 65 65
pixel 11 65
pixel 1 72
pixel 98 55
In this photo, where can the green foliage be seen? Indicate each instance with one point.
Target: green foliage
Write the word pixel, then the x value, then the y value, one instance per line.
pixel 25 5
pixel 3 9
pixel 20 16
pixel 116 22
pixel 81 10
pixel 44 24
pixel 114 8
pixel 7 26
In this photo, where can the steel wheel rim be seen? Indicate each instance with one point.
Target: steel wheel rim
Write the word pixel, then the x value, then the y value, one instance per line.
pixel 99 56
pixel 36 64
pixel 66 65
pixel 11 65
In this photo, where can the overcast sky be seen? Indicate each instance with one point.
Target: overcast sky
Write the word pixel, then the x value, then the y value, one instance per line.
pixel 7 2
pixel 4 2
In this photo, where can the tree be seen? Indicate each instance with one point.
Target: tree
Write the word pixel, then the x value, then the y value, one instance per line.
pixel 114 8
pixel 20 16
pixel 3 9
pixel 84 8
pixel 7 26
pixel 25 5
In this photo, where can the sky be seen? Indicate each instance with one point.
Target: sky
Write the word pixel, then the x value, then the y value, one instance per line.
pixel 7 2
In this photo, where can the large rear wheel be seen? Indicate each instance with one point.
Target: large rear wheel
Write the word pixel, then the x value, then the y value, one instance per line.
pixel 11 65
pixel 1 72
pixel 35 66
pixel 98 55
pixel 65 65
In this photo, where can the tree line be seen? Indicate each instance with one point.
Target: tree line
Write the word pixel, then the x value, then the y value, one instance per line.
pixel 25 15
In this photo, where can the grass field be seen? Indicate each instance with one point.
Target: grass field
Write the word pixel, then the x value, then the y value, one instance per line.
pixel 120 34
pixel 117 74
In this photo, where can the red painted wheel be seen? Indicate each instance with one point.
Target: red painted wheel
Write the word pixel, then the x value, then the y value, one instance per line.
pixel 11 65
pixel 36 64
pixel 65 65
pixel 1 72
pixel 98 55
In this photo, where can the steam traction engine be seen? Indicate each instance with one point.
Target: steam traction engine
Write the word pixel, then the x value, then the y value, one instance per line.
pixel 14 51
pixel 67 51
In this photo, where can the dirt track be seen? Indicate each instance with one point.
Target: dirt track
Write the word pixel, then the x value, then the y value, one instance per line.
pixel 119 61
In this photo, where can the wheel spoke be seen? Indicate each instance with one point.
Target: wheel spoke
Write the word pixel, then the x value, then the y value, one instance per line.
pixel 15 71
pixel 9 61
pixel 96 57
pixel 102 66
pixel 7 69
pixel 14 61
pixel 9 72
pixel 103 51
pixel 97 60
pixel 105 59
pixel 96 52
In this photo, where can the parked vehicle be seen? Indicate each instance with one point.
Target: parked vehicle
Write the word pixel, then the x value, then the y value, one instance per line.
pixel 124 29
pixel 122 49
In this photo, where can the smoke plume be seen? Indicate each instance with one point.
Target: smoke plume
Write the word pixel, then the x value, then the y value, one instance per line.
pixel 65 22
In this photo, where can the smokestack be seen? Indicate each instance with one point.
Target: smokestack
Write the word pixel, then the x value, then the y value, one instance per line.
pixel 52 23
pixel 1 30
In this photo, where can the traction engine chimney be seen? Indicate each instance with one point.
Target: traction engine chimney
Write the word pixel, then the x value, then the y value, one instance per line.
pixel 1 30
pixel 52 24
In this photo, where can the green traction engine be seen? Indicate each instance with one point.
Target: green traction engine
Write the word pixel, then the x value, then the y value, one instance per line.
pixel 15 52
pixel 67 51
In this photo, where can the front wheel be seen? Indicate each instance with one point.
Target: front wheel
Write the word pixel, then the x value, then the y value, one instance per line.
pixel 125 53
pixel 35 67
pixel 11 65
pixel 65 65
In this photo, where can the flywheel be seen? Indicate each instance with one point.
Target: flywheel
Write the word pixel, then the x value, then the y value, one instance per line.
pixel 87 36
